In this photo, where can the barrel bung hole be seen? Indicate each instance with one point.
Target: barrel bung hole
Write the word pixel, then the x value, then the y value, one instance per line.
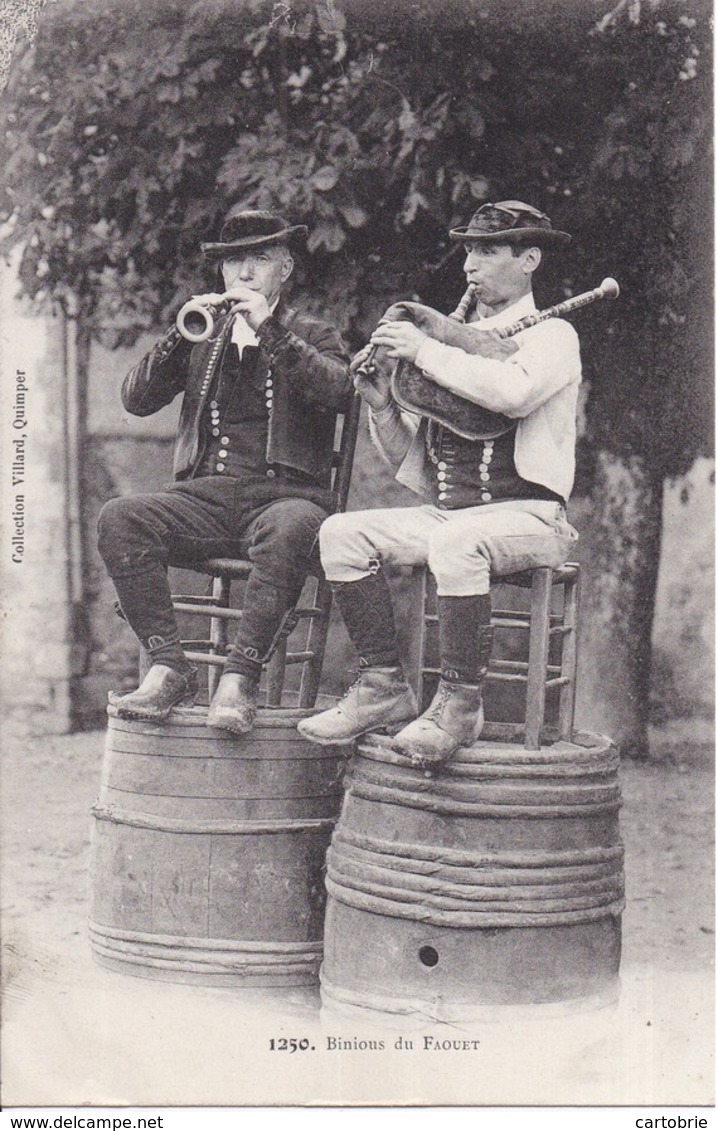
pixel 428 956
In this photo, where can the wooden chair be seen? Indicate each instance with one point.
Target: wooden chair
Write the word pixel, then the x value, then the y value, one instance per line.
pixel 551 652
pixel 315 612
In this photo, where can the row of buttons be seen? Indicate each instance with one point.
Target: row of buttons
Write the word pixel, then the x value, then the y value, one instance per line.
pixel 167 344
pixel 223 452
pixel 210 367
pixel 443 469
pixel 484 473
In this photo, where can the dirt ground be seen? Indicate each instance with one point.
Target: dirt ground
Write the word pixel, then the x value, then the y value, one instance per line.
pixel 74 1033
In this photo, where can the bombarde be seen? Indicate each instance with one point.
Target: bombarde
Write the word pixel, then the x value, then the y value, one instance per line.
pixel 195 320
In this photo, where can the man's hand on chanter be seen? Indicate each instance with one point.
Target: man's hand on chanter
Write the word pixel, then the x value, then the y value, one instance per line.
pixel 401 339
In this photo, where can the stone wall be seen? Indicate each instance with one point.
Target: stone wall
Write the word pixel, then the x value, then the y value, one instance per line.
pixel 40 584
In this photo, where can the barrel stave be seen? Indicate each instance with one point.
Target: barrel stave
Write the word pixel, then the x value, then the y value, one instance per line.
pixel 208 851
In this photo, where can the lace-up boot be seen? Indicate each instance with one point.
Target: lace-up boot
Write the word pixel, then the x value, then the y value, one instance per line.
pixel 455 716
pixel 378 698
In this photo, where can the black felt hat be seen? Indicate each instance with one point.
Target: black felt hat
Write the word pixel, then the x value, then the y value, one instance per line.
pixel 251 229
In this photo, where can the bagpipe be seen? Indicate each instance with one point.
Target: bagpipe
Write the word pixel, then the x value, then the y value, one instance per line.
pixel 416 393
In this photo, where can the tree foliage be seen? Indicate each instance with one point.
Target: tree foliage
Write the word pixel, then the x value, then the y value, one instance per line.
pixel 130 129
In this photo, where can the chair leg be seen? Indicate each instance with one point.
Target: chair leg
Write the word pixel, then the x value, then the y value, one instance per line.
pixel 538 657
pixel 427 675
pixel 316 644
pixel 276 670
pixel 569 657
pixel 218 631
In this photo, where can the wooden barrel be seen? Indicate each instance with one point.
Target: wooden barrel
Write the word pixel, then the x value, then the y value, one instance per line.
pixel 497 881
pixel 208 850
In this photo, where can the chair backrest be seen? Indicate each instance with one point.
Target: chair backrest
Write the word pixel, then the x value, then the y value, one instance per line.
pixel 343 459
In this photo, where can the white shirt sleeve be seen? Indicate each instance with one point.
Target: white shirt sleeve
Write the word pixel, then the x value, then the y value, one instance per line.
pixel 548 359
pixel 392 431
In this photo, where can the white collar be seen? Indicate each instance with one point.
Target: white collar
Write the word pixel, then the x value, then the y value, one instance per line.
pixel 525 305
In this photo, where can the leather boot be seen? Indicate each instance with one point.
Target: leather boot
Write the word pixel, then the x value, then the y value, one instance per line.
pixel 162 689
pixel 379 697
pixel 234 703
pixel 454 718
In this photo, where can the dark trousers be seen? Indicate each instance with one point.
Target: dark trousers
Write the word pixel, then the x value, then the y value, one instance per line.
pixel 140 536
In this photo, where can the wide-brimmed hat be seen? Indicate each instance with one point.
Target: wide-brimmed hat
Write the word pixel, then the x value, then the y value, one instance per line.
pixel 511 221
pixel 252 229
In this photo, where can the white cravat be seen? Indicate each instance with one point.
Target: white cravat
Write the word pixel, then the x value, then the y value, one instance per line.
pixel 243 334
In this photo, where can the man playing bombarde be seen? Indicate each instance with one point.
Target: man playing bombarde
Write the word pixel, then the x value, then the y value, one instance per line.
pixel 253 460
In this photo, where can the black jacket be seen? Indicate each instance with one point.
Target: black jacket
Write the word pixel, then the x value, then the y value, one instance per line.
pixel 309 367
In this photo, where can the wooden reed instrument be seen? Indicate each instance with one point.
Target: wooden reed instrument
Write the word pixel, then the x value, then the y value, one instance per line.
pixel 195 320
pixel 465 304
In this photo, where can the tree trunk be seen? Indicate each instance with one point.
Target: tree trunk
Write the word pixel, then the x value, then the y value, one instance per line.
pixel 620 568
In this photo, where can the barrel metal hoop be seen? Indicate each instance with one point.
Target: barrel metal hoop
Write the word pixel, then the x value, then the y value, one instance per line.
pixel 492 757
pixel 371 792
pixel 477 899
pixel 441 917
pixel 367 1002
pixel 498 793
pixel 214 827
pixel 205 957
pixel 478 771
pixel 495 870
pixel 457 857
pixel 182 746
pixel 251 950
pixel 179 966
pixel 237 965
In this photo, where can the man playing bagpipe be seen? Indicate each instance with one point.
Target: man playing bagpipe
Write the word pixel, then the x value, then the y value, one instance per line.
pixel 496 466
